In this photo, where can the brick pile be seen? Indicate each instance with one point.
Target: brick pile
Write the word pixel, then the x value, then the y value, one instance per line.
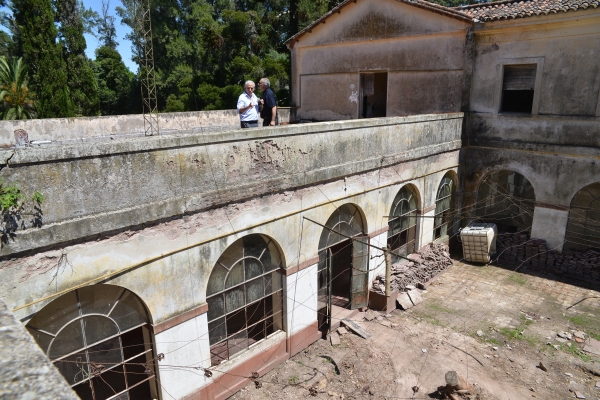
pixel 420 268
pixel 517 249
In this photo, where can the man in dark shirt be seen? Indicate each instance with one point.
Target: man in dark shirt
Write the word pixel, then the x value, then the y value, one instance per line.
pixel 268 104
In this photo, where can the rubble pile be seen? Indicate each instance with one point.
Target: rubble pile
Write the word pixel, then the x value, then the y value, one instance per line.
pixel 517 249
pixel 421 268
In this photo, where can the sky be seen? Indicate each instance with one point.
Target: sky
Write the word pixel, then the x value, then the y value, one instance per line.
pixel 124 47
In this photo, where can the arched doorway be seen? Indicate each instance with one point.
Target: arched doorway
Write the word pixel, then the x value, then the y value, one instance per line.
pixel 99 339
pixel 444 206
pixel 402 221
pixel 343 264
pixel 507 199
pixel 583 228
pixel 244 296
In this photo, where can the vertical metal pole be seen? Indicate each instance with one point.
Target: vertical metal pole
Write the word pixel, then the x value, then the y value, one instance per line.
pixel 147 78
pixel 388 270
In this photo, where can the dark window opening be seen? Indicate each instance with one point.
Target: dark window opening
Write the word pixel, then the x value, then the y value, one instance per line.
pixel 518 88
pixel 373 87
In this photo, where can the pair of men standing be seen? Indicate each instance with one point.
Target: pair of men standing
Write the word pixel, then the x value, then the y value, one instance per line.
pixel 249 105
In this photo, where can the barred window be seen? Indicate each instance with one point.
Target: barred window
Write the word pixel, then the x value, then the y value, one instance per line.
pixel 99 339
pixel 444 204
pixel 244 296
pixel 403 222
pixel 583 228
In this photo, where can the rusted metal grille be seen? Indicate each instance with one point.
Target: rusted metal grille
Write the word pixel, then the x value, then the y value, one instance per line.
pixel 403 222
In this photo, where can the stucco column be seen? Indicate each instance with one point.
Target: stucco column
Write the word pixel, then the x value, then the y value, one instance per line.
pixel 376 260
pixel 550 224
pixel 301 299
pixel 187 345
pixel 426 231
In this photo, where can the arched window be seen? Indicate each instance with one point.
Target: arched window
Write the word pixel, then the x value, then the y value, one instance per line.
pixel 244 296
pixel 583 229
pixel 98 338
pixel 506 198
pixel 402 222
pixel 444 204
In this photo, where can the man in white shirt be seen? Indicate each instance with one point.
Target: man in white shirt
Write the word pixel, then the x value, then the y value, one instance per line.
pixel 247 106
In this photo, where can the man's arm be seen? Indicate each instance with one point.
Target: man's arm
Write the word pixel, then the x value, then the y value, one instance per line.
pixel 273 115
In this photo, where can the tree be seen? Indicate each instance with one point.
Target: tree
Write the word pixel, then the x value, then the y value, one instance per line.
pixel 80 77
pixel 17 99
pixel 106 27
pixel 34 20
pixel 114 82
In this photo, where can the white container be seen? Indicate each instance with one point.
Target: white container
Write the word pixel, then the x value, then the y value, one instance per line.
pixel 478 241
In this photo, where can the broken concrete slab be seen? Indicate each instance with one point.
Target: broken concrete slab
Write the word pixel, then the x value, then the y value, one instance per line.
pixel 579 334
pixel 342 331
pixel 565 335
pixel 386 323
pixel 404 301
pixel 335 339
pixel 354 327
pixel 415 297
pixel 371 315
pixel 592 346
pixel 579 395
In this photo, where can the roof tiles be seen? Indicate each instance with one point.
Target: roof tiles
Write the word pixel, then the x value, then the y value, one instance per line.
pixel 511 9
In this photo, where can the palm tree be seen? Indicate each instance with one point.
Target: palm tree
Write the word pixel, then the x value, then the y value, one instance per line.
pixel 15 95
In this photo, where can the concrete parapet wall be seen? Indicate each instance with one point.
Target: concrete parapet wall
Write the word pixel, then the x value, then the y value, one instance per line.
pixel 65 129
pixel 102 186
pixel 25 371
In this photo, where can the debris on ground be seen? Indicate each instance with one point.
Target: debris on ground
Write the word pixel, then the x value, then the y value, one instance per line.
pixel 354 327
pixel 411 274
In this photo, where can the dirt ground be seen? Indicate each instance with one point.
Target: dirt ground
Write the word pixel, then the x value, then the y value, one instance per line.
pixel 491 325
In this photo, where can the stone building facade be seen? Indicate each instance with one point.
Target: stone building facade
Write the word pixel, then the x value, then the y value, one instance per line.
pixel 186 264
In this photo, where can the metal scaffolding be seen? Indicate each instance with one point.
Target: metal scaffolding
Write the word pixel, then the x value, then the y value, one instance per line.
pixel 146 60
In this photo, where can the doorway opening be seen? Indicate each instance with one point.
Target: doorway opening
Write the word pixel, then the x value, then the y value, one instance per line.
pixel 343 267
pixel 373 88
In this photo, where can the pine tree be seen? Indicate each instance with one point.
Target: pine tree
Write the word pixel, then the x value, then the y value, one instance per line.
pixel 37 35
pixel 80 77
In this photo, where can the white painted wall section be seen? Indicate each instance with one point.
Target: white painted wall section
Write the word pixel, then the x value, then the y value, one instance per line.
pixel 301 299
pixel 551 225
pixel 376 259
pixel 187 345
pixel 426 229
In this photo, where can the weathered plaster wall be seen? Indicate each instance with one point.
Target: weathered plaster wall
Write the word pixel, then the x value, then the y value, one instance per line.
pixel 422 52
pixel 25 371
pixel 67 129
pixel 168 264
pixel 567 44
pixel 97 187
pixel 557 147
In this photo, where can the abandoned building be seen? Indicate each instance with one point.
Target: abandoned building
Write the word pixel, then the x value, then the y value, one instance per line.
pixel 182 265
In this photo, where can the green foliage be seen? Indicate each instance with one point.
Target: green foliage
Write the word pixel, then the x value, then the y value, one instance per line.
pixel 80 77
pixel 116 86
pixel 14 207
pixel 35 21
pixel 15 96
pixel 204 51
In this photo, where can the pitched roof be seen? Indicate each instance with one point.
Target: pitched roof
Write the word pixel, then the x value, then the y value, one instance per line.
pixel 436 8
pixel 511 9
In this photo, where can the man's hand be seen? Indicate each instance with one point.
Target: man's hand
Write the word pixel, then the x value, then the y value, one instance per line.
pixel 272 123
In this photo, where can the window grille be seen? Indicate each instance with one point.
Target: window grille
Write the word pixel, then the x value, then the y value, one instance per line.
pixel 98 338
pixel 583 228
pixel 444 204
pixel 507 199
pixel 244 296
pixel 403 222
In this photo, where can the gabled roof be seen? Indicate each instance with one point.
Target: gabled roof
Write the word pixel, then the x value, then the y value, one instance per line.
pixel 483 12
pixel 520 9
pixel 436 8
